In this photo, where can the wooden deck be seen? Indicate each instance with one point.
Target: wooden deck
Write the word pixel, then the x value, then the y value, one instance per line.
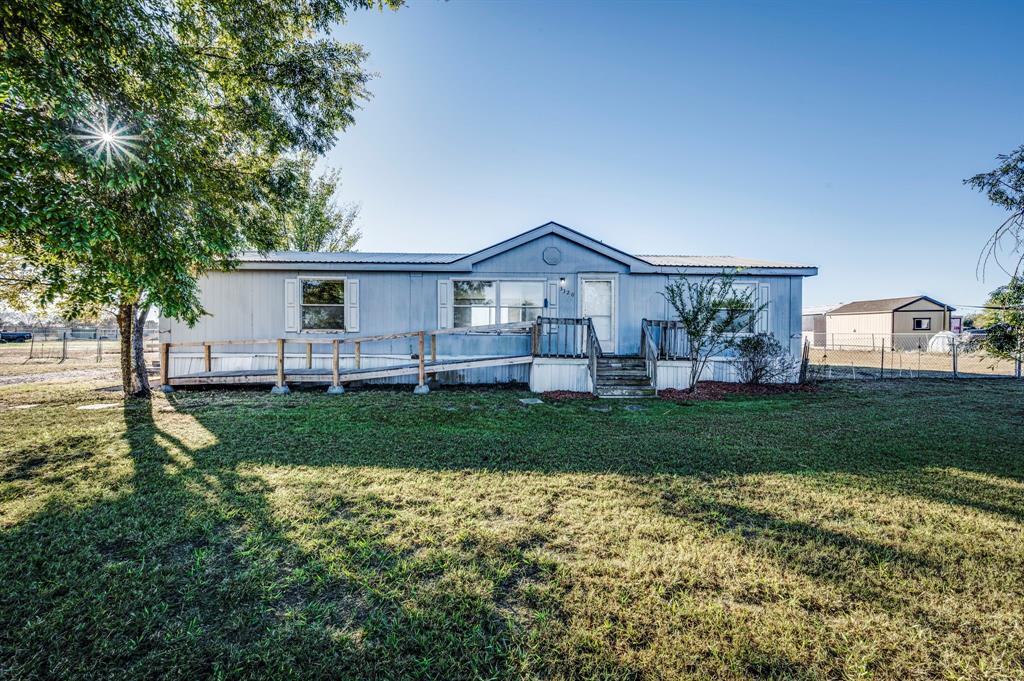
pixel 547 337
pixel 326 376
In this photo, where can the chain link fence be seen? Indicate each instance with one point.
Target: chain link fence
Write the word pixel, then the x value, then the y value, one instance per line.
pixel 54 349
pixel 909 355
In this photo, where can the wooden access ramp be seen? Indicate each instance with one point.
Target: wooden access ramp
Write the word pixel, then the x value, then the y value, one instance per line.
pixel 426 361
pixel 327 377
pixel 548 337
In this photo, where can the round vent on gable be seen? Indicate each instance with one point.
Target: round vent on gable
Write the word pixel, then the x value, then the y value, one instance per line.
pixel 552 255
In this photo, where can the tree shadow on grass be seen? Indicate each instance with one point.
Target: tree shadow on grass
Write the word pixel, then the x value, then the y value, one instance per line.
pixel 193 573
pixel 208 566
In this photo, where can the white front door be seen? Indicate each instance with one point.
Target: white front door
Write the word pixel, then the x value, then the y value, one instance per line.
pixel 597 301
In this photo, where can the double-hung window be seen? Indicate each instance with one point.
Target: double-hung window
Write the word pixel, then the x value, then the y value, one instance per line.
pixel 474 302
pixel 323 304
pixel 478 302
pixel 746 321
pixel 922 324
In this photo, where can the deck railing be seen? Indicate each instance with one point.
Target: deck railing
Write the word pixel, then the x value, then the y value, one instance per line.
pixel 649 351
pixel 669 337
pixel 560 337
pixel 593 353
pixel 358 343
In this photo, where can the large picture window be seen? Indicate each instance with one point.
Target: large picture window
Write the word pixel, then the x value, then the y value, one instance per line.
pixel 521 301
pixel 323 304
pixel 483 302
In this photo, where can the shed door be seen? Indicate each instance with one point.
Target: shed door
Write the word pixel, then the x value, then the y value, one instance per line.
pixel 597 301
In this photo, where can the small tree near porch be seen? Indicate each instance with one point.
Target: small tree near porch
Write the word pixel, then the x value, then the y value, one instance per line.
pixel 711 311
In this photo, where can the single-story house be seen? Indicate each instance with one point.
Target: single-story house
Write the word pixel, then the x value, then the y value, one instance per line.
pixel 900 323
pixel 550 272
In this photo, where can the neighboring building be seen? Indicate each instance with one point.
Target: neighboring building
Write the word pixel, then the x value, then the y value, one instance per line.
pixel 899 323
pixel 549 271
pixel 814 323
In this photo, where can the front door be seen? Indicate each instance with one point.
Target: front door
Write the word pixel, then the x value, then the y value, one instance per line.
pixel 597 301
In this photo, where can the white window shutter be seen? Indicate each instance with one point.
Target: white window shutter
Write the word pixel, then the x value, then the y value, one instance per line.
pixel 291 304
pixel 444 303
pixel 763 298
pixel 552 309
pixel 351 305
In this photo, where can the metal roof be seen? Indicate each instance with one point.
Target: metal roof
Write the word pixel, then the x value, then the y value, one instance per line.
pixel 356 257
pixel 714 261
pixel 883 305
pixel 362 258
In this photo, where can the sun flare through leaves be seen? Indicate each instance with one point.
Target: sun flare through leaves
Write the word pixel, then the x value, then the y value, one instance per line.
pixel 108 138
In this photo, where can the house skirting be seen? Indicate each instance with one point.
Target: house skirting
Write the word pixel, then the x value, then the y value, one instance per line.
pixel 556 373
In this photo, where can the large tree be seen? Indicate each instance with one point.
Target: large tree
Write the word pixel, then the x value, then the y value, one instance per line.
pixel 313 220
pixel 145 141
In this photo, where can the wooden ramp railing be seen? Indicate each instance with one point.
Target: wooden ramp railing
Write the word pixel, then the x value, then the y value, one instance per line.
pixel 281 375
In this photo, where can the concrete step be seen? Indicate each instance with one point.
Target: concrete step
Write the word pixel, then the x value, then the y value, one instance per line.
pixel 625 392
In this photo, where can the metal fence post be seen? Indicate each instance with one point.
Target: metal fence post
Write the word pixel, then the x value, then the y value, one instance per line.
pixel 64 349
pixel 881 374
pixel 954 360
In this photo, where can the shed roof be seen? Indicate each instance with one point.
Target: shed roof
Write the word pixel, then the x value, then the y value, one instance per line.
pixel 883 305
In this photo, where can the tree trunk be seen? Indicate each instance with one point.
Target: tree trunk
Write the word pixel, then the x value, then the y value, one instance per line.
pixel 140 386
pixel 125 321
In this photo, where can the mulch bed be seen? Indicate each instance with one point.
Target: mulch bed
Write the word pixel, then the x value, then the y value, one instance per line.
pixel 719 390
pixel 706 391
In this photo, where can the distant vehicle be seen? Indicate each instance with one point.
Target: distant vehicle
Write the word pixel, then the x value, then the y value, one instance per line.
pixel 973 334
pixel 15 336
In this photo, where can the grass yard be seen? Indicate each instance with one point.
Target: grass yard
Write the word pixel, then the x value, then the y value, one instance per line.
pixel 870 530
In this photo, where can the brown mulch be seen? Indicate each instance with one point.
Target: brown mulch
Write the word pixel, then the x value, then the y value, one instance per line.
pixel 706 391
pixel 718 390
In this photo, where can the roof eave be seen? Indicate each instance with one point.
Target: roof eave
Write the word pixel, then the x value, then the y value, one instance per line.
pixel 740 271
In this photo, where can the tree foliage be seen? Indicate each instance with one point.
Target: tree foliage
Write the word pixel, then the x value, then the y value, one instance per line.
pixel 1004 321
pixel 219 93
pixel 1004 187
pixel 711 311
pixel 313 220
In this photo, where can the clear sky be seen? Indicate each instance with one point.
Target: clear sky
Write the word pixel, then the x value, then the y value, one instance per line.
pixel 824 133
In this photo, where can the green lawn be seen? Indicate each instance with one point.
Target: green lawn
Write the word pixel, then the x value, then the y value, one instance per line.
pixel 871 530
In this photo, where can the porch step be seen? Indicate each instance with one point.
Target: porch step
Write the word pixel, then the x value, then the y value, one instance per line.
pixel 622 373
pixel 623 380
pixel 623 377
pixel 621 364
pixel 625 392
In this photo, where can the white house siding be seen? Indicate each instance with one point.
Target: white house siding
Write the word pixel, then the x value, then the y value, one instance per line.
pixel 250 303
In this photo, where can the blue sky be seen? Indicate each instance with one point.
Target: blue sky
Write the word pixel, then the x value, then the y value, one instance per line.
pixel 827 133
